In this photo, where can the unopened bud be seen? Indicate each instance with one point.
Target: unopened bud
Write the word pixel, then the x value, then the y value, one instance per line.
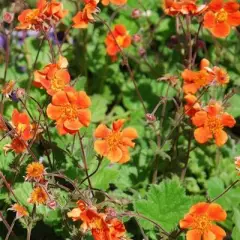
pixel 142 52
pixel 136 13
pixel 52 204
pixel 150 117
pixel 8 17
pixel 136 38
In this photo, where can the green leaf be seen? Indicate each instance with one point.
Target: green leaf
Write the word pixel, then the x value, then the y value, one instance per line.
pixel 236 220
pixel 166 204
pixel 105 175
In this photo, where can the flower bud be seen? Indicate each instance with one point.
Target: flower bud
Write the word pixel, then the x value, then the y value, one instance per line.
pixel 142 52
pixel 136 38
pixel 8 17
pixel 150 117
pixel 136 13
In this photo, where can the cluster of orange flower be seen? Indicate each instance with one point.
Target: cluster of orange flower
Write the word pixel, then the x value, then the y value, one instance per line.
pixel 102 225
pixel 211 119
pixel 46 15
pixel 21 132
pixel 218 16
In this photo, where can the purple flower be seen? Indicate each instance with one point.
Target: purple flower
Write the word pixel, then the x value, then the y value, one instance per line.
pixel 3 42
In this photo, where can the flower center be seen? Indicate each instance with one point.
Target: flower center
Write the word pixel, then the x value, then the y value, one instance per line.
pixel 202 223
pixel 120 40
pixel 113 140
pixel 214 124
pixel 32 15
pixel 57 84
pixel 70 111
pixel 21 127
pixel 221 16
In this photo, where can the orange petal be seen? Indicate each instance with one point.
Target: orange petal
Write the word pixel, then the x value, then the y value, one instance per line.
pixel 73 125
pixel 199 208
pixel 209 20
pixel 84 116
pixel 54 112
pixel 125 157
pixel 202 135
pixel 60 98
pixel 221 30
pixel 228 120
pixel 60 127
pixel 120 29
pixel 216 5
pixel 83 100
pixel 102 131
pixel 209 236
pixel 63 75
pixel 199 119
pixel 220 138
pixel 234 19
pixel 118 2
pixel 62 62
pixel 105 2
pixel 204 63
pixel 218 232
pixel 231 6
pixel 117 125
pixel 193 235
pixel 130 133
pixel 127 42
pixel 190 88
pixel 115 155
pixel 100 146
pixel 128 142
pixel 187 222
pixel 216 212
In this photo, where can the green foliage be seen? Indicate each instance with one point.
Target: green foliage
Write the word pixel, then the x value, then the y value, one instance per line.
pixel 166 204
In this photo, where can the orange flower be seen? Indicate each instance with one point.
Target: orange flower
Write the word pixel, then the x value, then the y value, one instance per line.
pixel 43 17
pixel 111 229
pixel 3 126
pixel 35 172
pixel 8 88
pixel 38 196
pixel 50 75
pixel 237 164
pixel 118 38
pixel 200 220
pixel 193 81
pixel 114 144
pixel 85 16
pixel 115 2
pixel 17 145
pixel 221 17
pixel 22 125
pixel 192 106
pixel 70 111
pixel 117 229
pixel 221 76
pixel 185 7
pixel 20 210
pixel 210 123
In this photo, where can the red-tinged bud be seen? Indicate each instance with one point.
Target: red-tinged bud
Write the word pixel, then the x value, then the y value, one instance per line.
pixel 173 42
pixel 136 38
pixel 52 204
pixel 136 13
pixel 8 17
pixel 201 44
pixel 150 117
pixel 111 213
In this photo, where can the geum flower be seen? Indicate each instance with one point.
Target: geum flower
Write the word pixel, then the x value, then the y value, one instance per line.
pixel 20 210
pixel 221 16
pixel 42 75
pixel 185 7
pixel 200 222
pixel 35 172
pixel 100 226
pixel 116 40
pixel 115 2
pixel 192 106
pixel 114 142
pixel 195 80
pixel 21 124
pixel 43 17
pixel 210 123
pixel 53 77
pixel 86 16
pixel 70 110
pixel 38 196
